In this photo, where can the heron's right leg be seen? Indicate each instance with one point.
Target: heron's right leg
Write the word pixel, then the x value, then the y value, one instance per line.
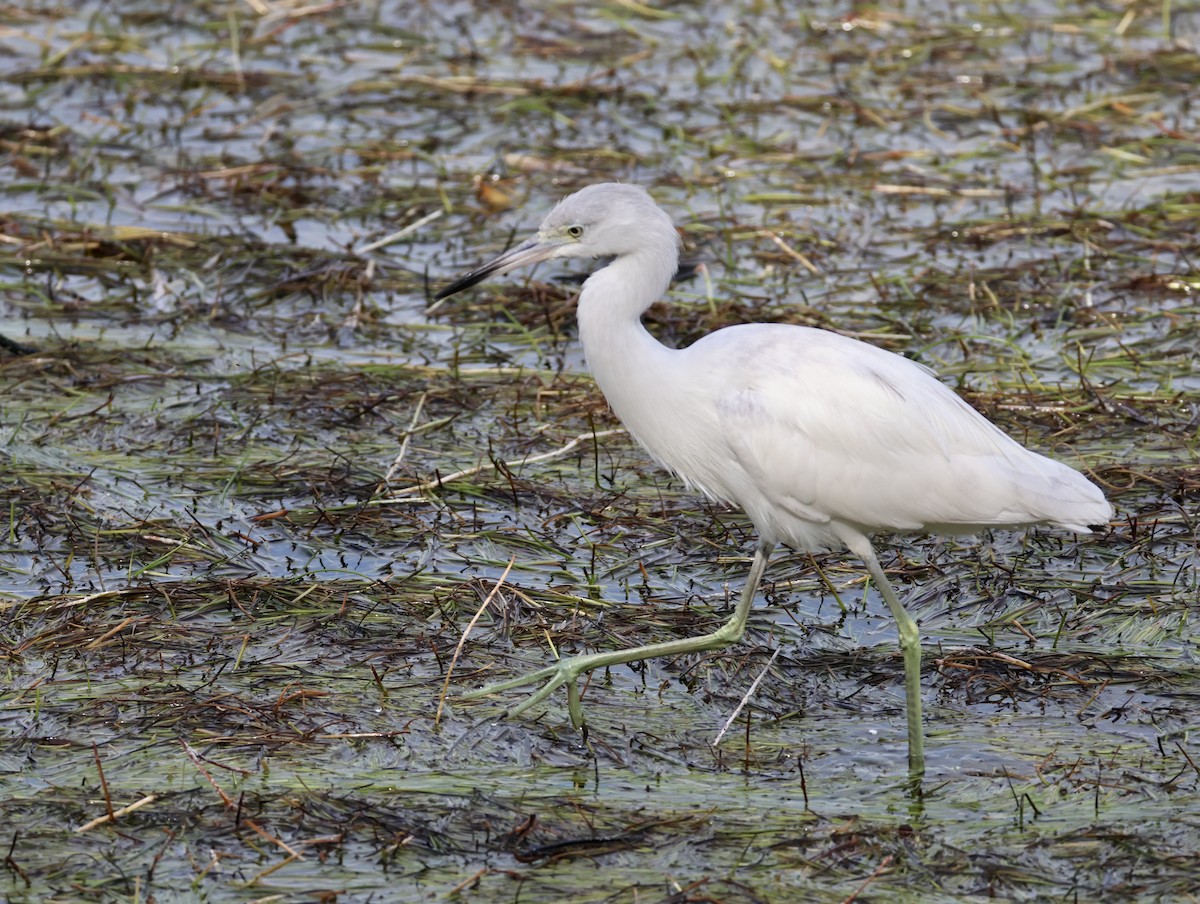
pixel 910 645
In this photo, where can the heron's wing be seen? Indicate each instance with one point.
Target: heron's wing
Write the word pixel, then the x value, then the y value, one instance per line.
pixel 821 426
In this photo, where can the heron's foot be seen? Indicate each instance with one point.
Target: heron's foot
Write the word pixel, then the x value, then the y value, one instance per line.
pixel 564 672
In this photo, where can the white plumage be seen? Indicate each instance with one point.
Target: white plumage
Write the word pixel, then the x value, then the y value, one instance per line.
pixel 823 440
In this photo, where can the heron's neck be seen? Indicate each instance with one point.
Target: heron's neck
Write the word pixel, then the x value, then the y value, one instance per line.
pixel 614 298
pixel 622 356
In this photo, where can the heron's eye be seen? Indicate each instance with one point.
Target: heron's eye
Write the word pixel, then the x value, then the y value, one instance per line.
pixel 574 231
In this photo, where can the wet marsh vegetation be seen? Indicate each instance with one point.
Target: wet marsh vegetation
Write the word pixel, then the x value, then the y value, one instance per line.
pixel 256 486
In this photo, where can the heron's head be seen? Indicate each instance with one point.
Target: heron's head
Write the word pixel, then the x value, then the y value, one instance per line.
pixel 608 219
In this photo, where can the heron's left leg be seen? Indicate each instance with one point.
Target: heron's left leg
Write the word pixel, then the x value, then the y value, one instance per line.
pixel 566 671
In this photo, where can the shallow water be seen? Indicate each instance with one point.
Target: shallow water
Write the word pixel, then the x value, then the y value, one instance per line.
pixel 202 574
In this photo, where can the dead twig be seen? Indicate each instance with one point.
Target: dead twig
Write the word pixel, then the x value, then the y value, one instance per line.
pixel 746 698
pixel 117 814
pixel 440 481
pixel 462 640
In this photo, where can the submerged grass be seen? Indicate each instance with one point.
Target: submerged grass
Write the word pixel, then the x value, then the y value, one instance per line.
pixel 256 483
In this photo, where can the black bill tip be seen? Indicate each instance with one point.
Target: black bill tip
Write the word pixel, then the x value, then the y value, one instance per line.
pixel 465 282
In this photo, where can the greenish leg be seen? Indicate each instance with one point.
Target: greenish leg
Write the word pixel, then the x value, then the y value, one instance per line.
pixel 910 645
pixel 566 671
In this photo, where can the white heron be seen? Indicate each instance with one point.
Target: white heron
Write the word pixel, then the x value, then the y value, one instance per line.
pixel 823 440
